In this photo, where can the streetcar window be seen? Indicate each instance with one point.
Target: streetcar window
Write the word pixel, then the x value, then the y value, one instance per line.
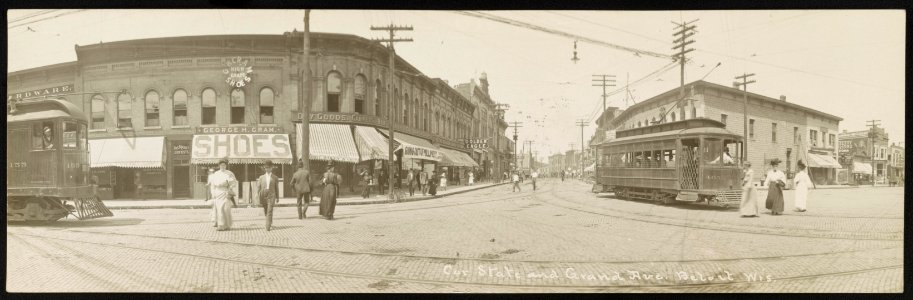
pixel 82 133
pixel 733 149
pixel 43 136
pixel 70 136
pixel 713 152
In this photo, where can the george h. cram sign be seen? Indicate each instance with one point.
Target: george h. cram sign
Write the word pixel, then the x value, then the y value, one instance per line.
pixel 240 145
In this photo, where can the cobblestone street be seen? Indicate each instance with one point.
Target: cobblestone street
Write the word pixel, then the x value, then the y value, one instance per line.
pixel 560 238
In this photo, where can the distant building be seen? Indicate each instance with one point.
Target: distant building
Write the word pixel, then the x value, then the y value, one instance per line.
pixel 864 154
pixel 896 164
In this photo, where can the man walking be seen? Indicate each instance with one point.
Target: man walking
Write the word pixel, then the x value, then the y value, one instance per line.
pixel 423 182
pixel 268 192
pixel 301 182
pixel 516 181
pixel 410 180
pixel 534 176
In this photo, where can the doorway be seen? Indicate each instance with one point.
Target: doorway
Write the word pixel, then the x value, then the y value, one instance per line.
pixel 180 182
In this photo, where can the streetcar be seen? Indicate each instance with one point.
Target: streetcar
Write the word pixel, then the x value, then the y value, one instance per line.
pixel 688 161
pixel 47 170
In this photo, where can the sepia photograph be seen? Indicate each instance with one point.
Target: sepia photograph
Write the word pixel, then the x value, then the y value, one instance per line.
pixel 455 151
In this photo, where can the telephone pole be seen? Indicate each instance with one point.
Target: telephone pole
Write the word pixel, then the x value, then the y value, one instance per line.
pixel 391 111
pixel 744 84
pixel 582 123
pixel 604 81
pixel 685 30
pixel 874 125
pixel 530 155
pixel 304 103
pixel 515 125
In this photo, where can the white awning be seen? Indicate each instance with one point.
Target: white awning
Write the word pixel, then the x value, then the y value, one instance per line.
pixel 822 161
pixel 456 159
pixel 132 152
pixel 590 168
pixel 332 142
pixel 862 168
pixel 371 144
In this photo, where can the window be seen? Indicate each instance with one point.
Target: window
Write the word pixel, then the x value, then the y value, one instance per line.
pixel 152 108
pixel 796 135
pixel 334 89
pixel 673 116
pixel 98 112
pixel 681 111
pixel 180 108
pixel 124 111
pixel 83 137
pixel 267 101
pixel 832 140
pixel 751 129
pixel 773 132
pixel 638 123
pixel 208 107
pixel 723 119
pixel 406 110
pixel 70 138
pixel 713 151
pixel 237 106
pixel 360 92
pixel 377 93
pixel 693 112
pixel 813 137
pixel 43 136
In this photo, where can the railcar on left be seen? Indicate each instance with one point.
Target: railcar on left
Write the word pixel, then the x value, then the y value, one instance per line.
pixel 47 170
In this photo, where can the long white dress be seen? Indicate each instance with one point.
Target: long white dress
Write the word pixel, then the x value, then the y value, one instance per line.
pixel 472 178
pixel 749 205
pixel 222 184
pixel 802 182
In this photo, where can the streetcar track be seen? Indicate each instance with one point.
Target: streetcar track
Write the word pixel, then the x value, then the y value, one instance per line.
pixel 484 284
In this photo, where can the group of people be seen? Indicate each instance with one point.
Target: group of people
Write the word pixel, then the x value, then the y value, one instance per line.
pixel 775 182
pixel 222 186
pixel 516 178
pixel 426 182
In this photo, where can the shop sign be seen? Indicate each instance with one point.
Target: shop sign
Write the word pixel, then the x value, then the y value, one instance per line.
pixel 180 150
pixel 410 151
pixel 41 92
pixel 238 71
pixel 347 118
pixel 238 130
pixel 476 143
pixel 243 143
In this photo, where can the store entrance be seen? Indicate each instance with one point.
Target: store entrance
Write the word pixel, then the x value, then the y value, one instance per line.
pixel 124 188
pixel 181 182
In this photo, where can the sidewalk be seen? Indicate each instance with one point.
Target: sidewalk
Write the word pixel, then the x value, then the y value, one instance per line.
pixel 288 202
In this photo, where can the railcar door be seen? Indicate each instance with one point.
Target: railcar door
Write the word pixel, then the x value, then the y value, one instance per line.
pixel 44 146
pixel 720 171
pixel 75 156
pixel 17 156
pixel 688 167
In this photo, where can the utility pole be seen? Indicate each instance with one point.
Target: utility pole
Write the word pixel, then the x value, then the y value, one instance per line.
pixel 515 125
pixel 603 80
pixel 304 99
pixel 874 125
pixel 685 30
pixel 744 84
pixel 530 155
pixel 391 119
pixel 582 123
pixel 500 108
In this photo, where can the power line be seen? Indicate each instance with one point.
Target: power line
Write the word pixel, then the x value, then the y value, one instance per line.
pixel 33 15
pixel 48 18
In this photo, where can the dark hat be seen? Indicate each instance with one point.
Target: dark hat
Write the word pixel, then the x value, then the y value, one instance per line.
pixel 800 163
pixel 775 162
pixel 330 164
pixel 268 163
pixel 223 160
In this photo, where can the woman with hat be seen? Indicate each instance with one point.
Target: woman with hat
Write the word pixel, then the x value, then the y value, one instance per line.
pixel 749 206
pixel 222 185
pixel 775 182
pixel 331 181
pixel 802 182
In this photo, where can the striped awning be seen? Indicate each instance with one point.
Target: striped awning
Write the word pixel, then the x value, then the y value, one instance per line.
pixel 332 142
pixel 131 152
pixel 371 144
pixel 822 161
pixel 453 158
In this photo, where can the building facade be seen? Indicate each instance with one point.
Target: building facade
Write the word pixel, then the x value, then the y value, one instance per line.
pixel 176 105
pixel 896 164
pixel 776 128
pixel 487 125
pixel 864 155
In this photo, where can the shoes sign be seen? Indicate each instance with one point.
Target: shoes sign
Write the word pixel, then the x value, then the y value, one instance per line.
pixel 238 71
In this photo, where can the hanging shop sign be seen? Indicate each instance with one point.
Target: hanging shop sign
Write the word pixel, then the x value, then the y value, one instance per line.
pixel 41 92
pixel 476 143
pixel 238 71
pixel 240 145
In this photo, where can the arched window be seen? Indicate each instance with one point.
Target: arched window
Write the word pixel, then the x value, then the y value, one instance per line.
pixel 179 100
pixel 378 111
pixel 437 123
pixel 237 106
pixel 638 123
pixel 673 116
pixel 415 113
pixel 208 107
pixel 693 112
pixel 152 108
pixel 360 94
pixel 334 89
pixel 406 109
pixel 681 112
pixel 426 117
pixel 98 112
pixel 124 111
pixel 267 101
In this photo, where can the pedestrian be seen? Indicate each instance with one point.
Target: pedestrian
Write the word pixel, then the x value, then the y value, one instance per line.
pixel 212 211
pixel 410 181
pixel 775 182
pixel 366 183
pixel 301 182
pixel 138 181
pixel 383 182
pixel 802 182
pixel 443 180
pixel 423 182
pixel 331 182
pixel 533 177
pixel 749 206
pixel 472 178
pixel 268 192
pixel 222 185
pixel 562 175
pixel 433 183
pixel 516 181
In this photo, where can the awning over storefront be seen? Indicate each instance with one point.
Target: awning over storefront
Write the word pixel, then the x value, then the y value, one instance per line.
pixel 590 168
pixel 822 161
pixel 862 168
pixel 240 145
pixel 133 152
pixel 416 148
pixel 371 144
pixel 453 158
pixel 332 142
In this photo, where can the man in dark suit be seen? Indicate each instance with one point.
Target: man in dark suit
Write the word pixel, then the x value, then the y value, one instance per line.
pixel 268 185
pixel 301 182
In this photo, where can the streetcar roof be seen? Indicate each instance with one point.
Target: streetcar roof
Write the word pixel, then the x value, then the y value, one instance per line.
pixel 45 109
pixel 673 134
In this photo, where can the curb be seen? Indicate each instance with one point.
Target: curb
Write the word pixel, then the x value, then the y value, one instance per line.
pixel 313 203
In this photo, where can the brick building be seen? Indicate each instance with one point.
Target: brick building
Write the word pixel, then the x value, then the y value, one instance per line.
pixel 896 164
pixel 776 128
pixel 487 124
pixel 864 155
pixel 166 109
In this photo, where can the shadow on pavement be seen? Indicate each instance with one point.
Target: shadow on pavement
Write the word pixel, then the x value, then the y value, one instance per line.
pixel 681 205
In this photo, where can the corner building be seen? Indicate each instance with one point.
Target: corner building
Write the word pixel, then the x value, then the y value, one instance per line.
pixel 163 111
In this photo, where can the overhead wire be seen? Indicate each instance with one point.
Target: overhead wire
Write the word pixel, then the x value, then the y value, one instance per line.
pixel 44 12
pixel 48 18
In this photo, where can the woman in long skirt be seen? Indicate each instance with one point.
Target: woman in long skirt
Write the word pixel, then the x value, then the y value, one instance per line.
pixel 775 182
pixel 222 185
pixel 331 182
pixel 749 206
pixel 433 183
pixel 802 183
pixel 472 178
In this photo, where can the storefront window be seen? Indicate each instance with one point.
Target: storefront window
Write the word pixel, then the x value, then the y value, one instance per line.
pixel 237 106
pixel 152 108
pixel 180 108
pixel 360 94
pixel 124 111
pixel 208 109
pixel 334 89
pixel 266 106
pixel 98 112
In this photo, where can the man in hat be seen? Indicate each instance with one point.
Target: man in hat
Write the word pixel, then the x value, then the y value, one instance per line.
pixel 268 186
pixel 301 182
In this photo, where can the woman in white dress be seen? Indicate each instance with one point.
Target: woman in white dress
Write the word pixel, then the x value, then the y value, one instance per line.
pixel 472 177
pixel 222 185
pixel 802 182
pixel 749 206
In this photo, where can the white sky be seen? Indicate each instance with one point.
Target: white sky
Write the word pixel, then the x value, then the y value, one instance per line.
pixel 848 63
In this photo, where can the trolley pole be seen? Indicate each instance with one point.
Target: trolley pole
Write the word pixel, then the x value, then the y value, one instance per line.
pixel 604 80
pixel 582 123
pixel 873 124
pixel 744 84
pixel 391 111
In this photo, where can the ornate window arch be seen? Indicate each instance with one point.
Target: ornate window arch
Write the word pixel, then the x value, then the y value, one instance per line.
pixel 361 94
pixel 334 91
pixel 98 111
pixel 208 106
pixel 152 102
pixel 179 108
pixel 267 99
